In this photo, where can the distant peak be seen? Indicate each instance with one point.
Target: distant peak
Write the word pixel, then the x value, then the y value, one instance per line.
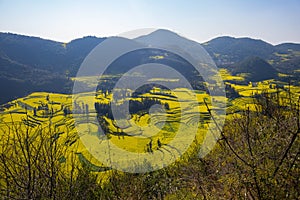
pixel 225 37
pixel 238 39
pixel 163 31
pixel 159 34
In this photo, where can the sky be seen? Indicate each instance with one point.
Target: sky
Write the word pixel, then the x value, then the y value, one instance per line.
pixel 274 21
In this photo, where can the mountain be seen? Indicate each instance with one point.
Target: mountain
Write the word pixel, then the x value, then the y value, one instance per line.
pixel 287 47
pixel 31 51
pixel 255 68
pixel 229 50
pixel 287 58
pixel 77 50
pixel 50 55
pixel 30 64
pixel 165 38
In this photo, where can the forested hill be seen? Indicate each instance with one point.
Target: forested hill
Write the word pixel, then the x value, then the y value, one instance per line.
pixel 30 64
pixel 44 54
pixel 228 50
pixel 254 69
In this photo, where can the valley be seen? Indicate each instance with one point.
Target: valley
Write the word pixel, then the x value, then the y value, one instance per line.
pixel 110 141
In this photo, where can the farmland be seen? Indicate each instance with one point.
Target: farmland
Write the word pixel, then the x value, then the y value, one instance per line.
pixel 76 123
pixel 41 110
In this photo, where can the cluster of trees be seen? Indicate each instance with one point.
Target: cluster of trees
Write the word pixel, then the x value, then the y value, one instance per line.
pixel 257 156
pixel 80 108
pixel 67 111
pixel 103 109
pixel 135 106
pixel 46 111
pixel 230 92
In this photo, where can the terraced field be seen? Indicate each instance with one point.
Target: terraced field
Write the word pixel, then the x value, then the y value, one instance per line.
pixel 247 93
pixel 54 113
pixel 68 122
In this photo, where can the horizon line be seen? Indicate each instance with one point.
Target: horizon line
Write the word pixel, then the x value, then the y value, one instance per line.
pixel 200 42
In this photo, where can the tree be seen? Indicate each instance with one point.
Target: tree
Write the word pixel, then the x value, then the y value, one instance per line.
pixel 257 156
pixel 34 111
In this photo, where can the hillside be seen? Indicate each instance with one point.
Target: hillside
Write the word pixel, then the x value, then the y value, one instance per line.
pixel 171 140
pixel 29 64
pixel 255 69
pixel 46 54
pixel 228 50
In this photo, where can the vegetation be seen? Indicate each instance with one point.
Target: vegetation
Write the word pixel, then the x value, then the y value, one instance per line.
pixel 42 157
pixel 30 64
pixel 255 68
pixel 257 157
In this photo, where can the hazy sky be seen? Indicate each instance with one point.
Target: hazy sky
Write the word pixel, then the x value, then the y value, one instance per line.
pixel 274 21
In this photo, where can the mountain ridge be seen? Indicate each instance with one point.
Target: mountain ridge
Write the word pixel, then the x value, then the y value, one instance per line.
pixel 93 36
pixel 42 63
